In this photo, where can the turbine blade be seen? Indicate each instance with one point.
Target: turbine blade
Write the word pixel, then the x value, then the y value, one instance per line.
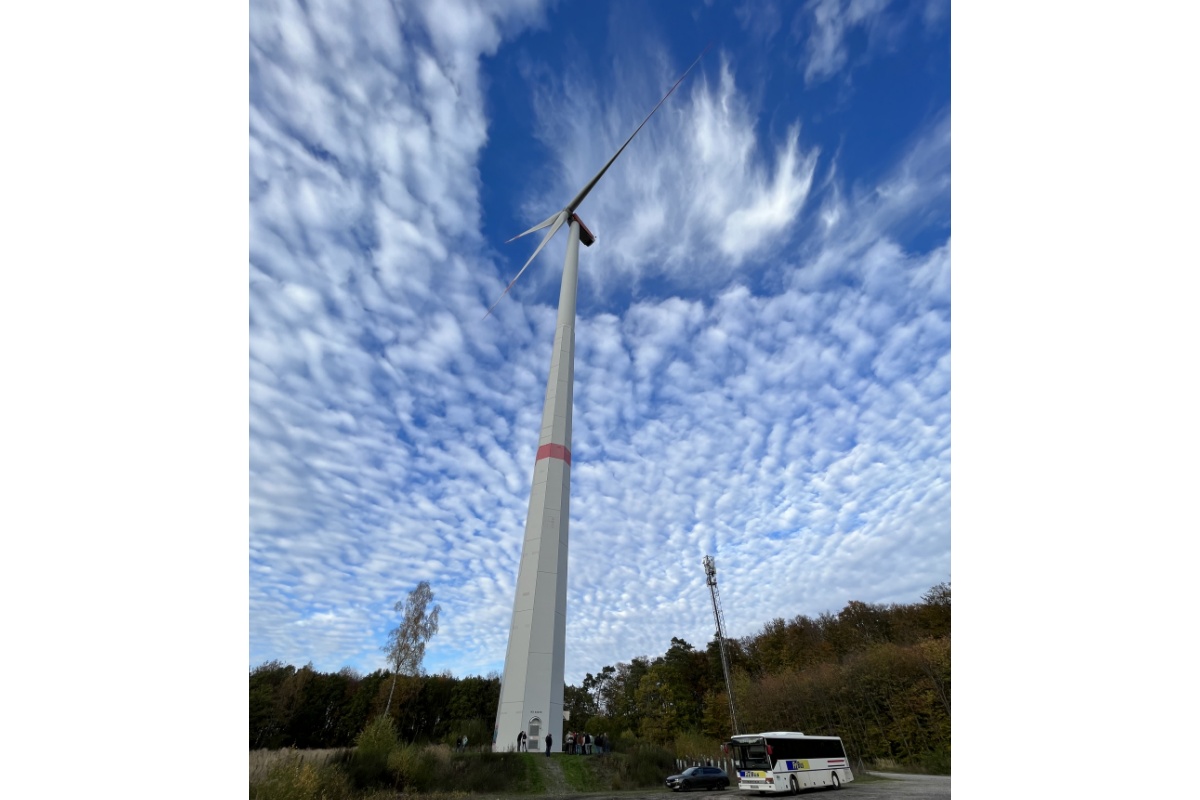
pixel 574 204
pixel 559 219
pixel 537 227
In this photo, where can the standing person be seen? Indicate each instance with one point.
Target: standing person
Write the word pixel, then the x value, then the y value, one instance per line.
pixel 549 741
pixel 520 741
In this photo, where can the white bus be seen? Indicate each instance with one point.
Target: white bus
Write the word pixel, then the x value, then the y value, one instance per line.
pixel 786 761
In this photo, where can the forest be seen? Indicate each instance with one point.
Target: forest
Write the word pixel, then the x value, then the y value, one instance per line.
pixel 878 675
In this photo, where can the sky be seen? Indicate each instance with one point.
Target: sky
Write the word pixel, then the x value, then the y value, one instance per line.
pixel 128 413
pixel 762 366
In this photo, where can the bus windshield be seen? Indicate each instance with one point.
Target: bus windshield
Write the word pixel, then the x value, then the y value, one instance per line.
pixel 750 756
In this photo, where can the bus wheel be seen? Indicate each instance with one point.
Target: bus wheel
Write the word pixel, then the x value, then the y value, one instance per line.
pixel 837 784
pixel 795 786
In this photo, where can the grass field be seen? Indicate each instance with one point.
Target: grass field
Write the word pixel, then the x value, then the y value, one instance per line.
pixel 380 768
pixel 261 761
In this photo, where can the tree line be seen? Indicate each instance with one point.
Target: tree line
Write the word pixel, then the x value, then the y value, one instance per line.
pixel 877 675
pixel 305 708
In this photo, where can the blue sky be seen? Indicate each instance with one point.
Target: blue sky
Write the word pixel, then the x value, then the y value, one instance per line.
pixel 763 332
pixel 725 402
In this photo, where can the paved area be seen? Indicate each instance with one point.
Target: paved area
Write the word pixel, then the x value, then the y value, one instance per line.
pixel 910 787
pixel 889 785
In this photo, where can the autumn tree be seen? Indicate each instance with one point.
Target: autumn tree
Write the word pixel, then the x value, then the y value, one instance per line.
pixel 405 646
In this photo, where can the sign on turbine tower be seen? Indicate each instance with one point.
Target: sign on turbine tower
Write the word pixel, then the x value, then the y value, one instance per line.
pixel 531 691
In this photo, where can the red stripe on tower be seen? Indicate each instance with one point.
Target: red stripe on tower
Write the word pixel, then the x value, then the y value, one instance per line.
pixel 554 451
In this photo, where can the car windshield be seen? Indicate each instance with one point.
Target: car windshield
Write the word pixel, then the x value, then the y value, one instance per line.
pixel 693 771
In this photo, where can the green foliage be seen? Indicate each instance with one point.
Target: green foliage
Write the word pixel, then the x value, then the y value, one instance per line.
pixel 478 732
pixel 644 764
pixel 671 692
pixel 295 779
pixel 582 776
pixel 531 781
pixel 581 704
pixel 425 769
pixel 308 709
pixel 267 721
pixel 406 642
pixel 691 744
pixel 877 675
pixel 624 741
pixel 937 762
pixel 369 763
pixel 474 698
pixel 488 772
pixel 417 768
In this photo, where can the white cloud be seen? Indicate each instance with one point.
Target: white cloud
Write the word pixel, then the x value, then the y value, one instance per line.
pixel 696 193
pixel 831 20
pixel 798 434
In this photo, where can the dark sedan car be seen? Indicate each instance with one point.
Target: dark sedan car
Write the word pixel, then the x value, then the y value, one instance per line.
pixel 698 778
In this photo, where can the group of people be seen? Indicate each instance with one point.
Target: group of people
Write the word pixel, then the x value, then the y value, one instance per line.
pixel 584 744
pixel 576 743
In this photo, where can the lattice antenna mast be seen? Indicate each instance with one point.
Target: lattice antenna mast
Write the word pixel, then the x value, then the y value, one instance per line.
pixel 710 572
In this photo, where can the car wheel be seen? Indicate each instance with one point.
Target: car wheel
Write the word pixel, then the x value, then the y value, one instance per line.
pixel 795 785
pixel 837 784
pixel 722 786
pixel 683 787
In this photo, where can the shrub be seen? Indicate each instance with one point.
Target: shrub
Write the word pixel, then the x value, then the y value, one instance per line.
pixel 696 745
pixel 645 764
pixel 417 768
pixel 623 741
pixel 295 779
pixel 937 762
pixel 374 746
pixel 486 772
pixel 477 731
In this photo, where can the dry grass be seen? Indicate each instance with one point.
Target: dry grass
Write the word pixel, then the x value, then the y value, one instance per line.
pixel 261 761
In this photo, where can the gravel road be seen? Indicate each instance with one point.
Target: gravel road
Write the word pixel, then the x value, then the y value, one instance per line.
pixel 913 787
pixel 890 785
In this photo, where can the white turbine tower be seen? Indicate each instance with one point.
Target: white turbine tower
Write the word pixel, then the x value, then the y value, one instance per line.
pixel 531 695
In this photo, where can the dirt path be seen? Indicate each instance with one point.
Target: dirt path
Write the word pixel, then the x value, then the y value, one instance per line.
pixel 552 775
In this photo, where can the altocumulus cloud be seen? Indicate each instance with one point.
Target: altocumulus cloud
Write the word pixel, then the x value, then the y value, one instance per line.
pixel 797 429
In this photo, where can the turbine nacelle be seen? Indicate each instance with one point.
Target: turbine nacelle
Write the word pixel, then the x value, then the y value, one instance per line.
pixel 586 237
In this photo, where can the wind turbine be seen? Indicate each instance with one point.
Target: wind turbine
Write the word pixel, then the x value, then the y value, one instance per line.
pixel 531 695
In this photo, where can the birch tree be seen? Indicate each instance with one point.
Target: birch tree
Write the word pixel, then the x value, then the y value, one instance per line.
pixel 405 646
